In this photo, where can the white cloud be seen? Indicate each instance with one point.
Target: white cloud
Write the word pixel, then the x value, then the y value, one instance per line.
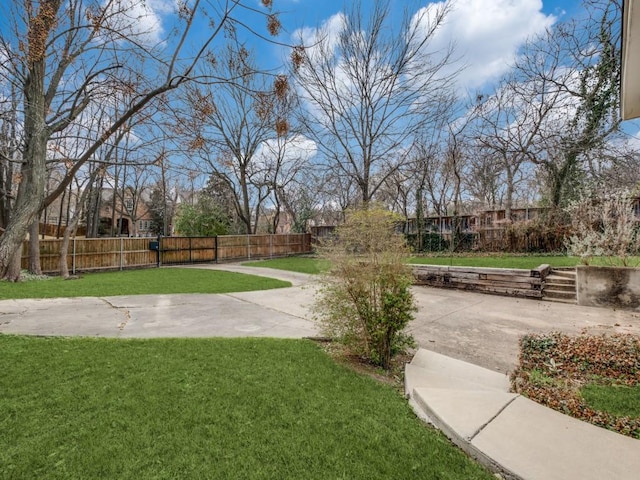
pixel 487 35
pixel 140 21
pixel 293 151
pixel 327 35
pixel 322 50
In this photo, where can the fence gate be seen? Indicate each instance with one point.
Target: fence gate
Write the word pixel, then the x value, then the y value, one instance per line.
pixel 180 250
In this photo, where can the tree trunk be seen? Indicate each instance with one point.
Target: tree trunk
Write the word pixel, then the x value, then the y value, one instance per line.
pixel 34 248
pixel 28 202
pixel 419 219
pixel 246 207
pixel 31 192
pixel 13 271
pixel 64 247
pixel 508 201
pixel 60 212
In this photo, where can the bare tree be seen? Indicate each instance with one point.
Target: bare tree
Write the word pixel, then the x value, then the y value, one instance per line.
pixel 66 56
pixel 73 222
pixel 574 69
pixel 507 130
pixel 295 183
pixel 486 188
pixel 368 93
pixel 226 125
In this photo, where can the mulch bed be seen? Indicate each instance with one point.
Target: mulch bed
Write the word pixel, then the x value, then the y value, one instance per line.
pixel 553 367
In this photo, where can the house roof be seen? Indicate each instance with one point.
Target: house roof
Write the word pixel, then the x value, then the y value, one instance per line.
pixel 630 82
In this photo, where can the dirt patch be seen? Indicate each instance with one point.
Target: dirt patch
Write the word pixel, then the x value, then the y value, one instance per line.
pixel 394 377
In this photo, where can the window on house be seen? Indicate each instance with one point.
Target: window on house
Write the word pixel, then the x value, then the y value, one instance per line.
pixel 128 204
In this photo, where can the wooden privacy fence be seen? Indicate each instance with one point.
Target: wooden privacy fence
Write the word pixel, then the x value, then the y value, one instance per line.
pixel 504 281
pixel 123 252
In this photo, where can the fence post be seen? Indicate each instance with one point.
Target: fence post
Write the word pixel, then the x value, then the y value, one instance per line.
pixel 215 248
pixel 73 257
pixel 248 248
pixel 121 252
pixel 271 246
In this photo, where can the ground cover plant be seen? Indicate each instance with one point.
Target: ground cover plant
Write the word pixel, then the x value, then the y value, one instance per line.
pixel 137 282
pixel 593 378
pixel 206 408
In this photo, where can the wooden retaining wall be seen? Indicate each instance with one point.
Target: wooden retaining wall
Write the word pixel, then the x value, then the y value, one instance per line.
pixel 123 252
pixel 503 281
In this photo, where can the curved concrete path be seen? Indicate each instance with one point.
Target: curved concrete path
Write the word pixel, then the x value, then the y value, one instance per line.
pixel 258 314
pixel 510 433
pixel 477 328
pixel 506 431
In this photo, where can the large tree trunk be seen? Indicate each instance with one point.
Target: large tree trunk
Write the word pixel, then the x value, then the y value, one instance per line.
pixel 29 200
pixel 13 271
pixel 31 192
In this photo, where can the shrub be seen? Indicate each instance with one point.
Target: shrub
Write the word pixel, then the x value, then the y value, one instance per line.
pixel 431 242
pixel 603 226
pixel 543 234
pixel 365 300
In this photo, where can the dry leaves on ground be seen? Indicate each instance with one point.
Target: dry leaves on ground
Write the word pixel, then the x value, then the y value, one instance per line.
pixel 553 367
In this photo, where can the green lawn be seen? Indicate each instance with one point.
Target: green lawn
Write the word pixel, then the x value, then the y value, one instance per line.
pixel 294 264
pixel 516 261
pixel 206 408
pixel 618 400
pixel 499 261
pixel 135 282
pixel 316 265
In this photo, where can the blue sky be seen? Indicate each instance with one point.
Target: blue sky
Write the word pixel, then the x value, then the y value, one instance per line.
pixel 308 13
pixel 487 32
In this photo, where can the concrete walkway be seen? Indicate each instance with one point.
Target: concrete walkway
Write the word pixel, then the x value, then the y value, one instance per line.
pixel 258 314
pixel 463 331
pixel 510 433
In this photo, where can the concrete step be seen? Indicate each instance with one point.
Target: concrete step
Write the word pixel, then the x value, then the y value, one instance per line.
pixel 555 293
pixel 566 273
pixel 560 280
pixel 560 287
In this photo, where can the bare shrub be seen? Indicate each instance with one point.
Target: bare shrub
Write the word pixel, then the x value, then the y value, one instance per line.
pixel 365 300
pixel 604 226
